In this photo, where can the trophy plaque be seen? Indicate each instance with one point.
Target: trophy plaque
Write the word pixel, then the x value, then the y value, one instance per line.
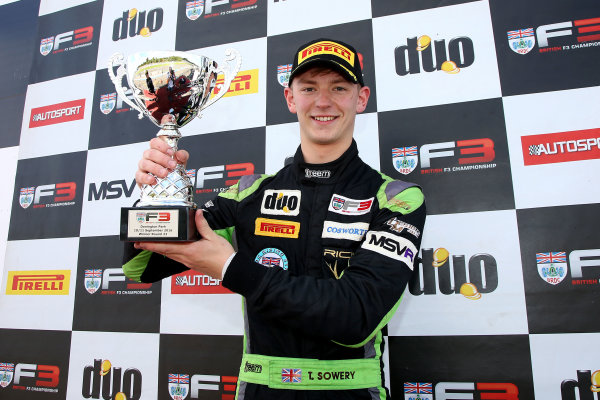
pixel 170 88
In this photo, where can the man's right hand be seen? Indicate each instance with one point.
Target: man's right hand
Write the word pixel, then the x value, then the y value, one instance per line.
pixel 158 160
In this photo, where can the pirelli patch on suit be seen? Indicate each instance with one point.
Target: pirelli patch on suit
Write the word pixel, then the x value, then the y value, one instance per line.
pixel 391 245
pixel 276 228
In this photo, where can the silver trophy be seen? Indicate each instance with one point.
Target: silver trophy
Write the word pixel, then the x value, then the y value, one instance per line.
pixel 170 88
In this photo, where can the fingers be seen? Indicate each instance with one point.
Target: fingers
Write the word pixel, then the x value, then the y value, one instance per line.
pixel 158 160
pixel 202 225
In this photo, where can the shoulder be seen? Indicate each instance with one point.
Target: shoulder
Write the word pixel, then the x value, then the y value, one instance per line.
pixel 247 185
pixel 399 196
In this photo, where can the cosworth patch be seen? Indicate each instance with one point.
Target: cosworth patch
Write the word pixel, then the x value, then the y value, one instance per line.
pixel 392 246
pixel 336 230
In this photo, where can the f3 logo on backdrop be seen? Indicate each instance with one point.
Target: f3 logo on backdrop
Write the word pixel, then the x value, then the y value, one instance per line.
pixel 549 51
pixel 67 42
pixel 462 166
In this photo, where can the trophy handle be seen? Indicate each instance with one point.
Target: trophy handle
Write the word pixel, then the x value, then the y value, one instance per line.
pixel 118 59
pixel 229 74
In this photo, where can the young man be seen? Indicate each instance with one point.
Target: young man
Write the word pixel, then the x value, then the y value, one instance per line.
pixel 325 247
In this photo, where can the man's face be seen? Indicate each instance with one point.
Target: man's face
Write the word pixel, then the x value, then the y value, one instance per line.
pixel 326 105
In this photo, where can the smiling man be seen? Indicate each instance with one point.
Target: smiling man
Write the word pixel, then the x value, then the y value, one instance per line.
pixel 324 248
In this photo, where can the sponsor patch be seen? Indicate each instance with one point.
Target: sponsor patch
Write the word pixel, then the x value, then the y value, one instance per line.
pixel 281 202
pixel 392 246
pixel 317 173
pixel 399 226
pixel 276 228
pixel 336 230
pixel 346 206
pixel 272 257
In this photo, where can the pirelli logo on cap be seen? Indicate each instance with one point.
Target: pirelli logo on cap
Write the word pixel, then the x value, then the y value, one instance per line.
pixel 326 47
pixel 38 282
pixel 276 228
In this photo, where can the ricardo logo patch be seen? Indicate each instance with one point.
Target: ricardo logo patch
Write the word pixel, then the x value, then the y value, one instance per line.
pixel 326 47
pixel 276 228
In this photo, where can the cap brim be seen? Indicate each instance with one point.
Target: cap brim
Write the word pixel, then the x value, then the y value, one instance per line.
pixel 324 62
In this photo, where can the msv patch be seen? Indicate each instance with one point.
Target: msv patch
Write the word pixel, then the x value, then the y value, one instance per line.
pixel 281 202
pixel 336 230
pixel 346 206
pixel 392 246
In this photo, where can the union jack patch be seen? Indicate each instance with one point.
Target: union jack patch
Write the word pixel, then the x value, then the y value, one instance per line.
pixel 291 375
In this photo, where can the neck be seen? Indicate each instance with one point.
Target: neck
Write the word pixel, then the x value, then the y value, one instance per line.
pixel 316 153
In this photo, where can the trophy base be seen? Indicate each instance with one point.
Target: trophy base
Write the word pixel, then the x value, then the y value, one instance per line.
pixel 158 224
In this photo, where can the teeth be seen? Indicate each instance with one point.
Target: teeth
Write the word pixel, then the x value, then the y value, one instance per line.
pixel 324 119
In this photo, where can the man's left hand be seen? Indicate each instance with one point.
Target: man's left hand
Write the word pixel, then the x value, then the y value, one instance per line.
pixel 207 255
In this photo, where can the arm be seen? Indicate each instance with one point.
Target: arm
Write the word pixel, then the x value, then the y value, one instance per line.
pixel 352 309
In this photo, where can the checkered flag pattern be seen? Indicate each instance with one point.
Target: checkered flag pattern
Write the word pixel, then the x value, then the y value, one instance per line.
pixel 492 102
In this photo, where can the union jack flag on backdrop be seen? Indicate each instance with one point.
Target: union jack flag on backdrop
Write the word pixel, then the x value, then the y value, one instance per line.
pixel 291 375
pixel 552 257
pixel 520 33
pixel 404 151
pixel 418 387
pixel 179 378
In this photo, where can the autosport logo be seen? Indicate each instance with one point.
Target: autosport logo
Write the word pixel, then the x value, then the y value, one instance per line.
pixel 561 147
pixel 584 265
pixel 29 377
pixel 446 157
pixel 112 281
pixel 561 36
pixel 57 113
pixel 67 41
pixel 52 195
pixel 214 8
pixel 417 55
pixel 191 282
pixel 460 390
pixel 446 273
pixel 41 283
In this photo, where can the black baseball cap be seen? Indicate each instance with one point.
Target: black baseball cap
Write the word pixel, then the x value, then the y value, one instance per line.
pixel 329 53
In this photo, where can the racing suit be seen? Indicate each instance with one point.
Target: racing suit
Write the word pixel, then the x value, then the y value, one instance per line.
pixel 324 253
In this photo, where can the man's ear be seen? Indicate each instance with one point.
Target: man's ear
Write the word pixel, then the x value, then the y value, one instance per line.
pixel 363 98
pixel 289 99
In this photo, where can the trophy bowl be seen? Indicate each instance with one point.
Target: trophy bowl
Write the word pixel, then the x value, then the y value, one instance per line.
pixel 170 88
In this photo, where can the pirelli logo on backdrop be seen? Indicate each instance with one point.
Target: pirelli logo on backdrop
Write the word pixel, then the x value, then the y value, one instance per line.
pixel 57 113
pixel 326 47
pixel 38 282
pixel 245 82
pixel 276 228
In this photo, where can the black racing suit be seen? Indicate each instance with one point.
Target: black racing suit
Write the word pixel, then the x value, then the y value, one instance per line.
pixel 324 253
